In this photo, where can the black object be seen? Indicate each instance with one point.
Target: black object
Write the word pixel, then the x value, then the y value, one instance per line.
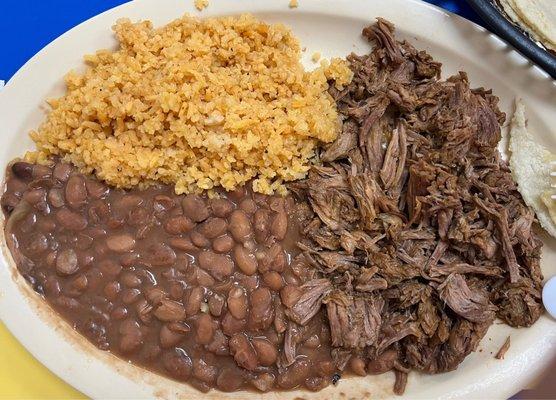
pixel 508 31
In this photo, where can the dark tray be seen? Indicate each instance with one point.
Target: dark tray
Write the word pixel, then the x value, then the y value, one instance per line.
pixel 496 20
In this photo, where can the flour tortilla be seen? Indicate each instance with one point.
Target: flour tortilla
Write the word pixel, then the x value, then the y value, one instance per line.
pixel 530 164
pixel 537 17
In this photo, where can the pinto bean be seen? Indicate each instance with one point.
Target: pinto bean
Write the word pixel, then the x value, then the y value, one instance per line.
pixel 316 383
pixel 126 203
pixel 205 329
pixel 140 217
pixel 119 313
pixel 78 285
pixel 131 335
pixel 229 380
pixel 216 304
pixel 383 363
pixel 169 311
pixel 37 243
pixel 109 267
pixel 169 338
pixel 15 186
pixel 273 280
pixel 98 212
pixel 71 220
pixel 243 352
pixel 23 170
pixel 266 351
pixel 52 287
pixel 96 189
pixel 180 327
pixel 130 296
pixel 128 259
pixel 218 265
pixel 111 290
pixel 150 352
pixel 195 208
pixel 83 241
pixel 219 344
pixel 277 257
pixel 325 368
pixel 155 295
pixel 66 262
pixel 245 261
pixel 221 207
pixel 55 197
pixel 237 302
pixel 280 317
pixel 9 202
pixel 35 196
pixel 213 227
pixel 41 172
pixel 178 224
pixel 160 255
pixel 199 240
pixel 231 325
pixel 273 259
pixel 249 282
pixel 240 226
pixel 248 205
pixel 238 193
pixel 194 300
pixel 263 381
pixel 177 289
pixel 262 312
pixel 62 171
pixel 279 226
pixel 290 278
pixel 357 366
pixel 289 295
pixel 162 204
pixel 144 311
pixel 203 278
pixel 131 280
pixel 120 243
pixel 67 302
pixel 178 363
pixel 295 374
pixel 223 244
pixel 261 224
pixel 76 192
pixel 184 244
pixel 203 371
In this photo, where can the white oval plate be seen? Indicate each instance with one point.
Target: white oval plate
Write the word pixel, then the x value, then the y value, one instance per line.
pixel 333 28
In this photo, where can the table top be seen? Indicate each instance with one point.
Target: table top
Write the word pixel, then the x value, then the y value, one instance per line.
pixel 27 26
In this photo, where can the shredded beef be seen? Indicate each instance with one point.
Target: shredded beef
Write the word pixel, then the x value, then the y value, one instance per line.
pixel 413 224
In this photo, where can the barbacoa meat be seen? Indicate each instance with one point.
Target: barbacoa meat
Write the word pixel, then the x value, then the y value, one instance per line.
pixel 415 228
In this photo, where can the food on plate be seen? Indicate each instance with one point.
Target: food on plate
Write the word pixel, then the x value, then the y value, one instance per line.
pixel 503 350
pixel 198 103
pixel 536 17
pixel 191 287
pixel 396 252
pixel 201 4
pixel 413 221
pixel 531 164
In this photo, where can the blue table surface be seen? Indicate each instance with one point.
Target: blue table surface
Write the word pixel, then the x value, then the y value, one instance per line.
pixel 29 25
